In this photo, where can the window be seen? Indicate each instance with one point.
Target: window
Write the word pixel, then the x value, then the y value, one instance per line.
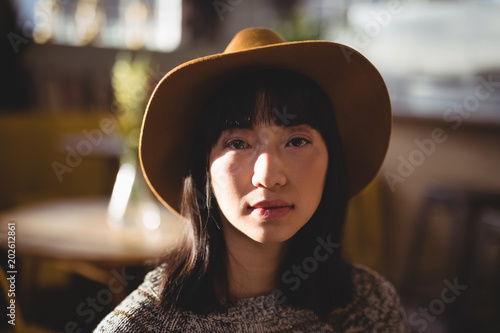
pixel 125 24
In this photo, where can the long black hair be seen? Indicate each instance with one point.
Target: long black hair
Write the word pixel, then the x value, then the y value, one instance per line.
pixel 262 96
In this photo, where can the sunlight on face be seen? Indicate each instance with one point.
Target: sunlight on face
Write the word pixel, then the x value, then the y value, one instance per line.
pixel 268 180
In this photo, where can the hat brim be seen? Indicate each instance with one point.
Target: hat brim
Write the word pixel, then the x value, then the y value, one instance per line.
pixel 356 89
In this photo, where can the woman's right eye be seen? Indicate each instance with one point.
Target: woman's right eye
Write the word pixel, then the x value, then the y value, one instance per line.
pixel 237 144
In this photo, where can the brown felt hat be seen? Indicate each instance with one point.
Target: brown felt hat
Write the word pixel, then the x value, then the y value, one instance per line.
pixel 356 89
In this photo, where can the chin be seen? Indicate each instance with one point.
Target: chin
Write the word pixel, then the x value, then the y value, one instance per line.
pixel 272 236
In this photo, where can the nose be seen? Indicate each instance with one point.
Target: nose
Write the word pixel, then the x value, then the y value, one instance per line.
pixel 269 171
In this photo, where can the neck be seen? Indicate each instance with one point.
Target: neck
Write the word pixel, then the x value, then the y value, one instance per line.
pixel 252 267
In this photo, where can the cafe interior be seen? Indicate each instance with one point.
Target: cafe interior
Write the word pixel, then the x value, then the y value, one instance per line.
pixel 80 228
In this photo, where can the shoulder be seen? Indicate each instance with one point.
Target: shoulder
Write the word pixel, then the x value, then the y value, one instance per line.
pixel 139 311
pixel 375 306
pixel 373 289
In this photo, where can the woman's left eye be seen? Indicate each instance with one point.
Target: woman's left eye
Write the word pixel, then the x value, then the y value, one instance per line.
pixel 298 142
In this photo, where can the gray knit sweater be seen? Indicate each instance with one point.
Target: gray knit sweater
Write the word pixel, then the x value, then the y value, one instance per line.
pixel 375 308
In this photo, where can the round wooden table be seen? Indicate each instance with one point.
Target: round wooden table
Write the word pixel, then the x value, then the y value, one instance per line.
pixel 73 236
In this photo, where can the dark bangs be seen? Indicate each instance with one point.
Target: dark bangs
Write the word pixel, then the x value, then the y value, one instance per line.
pixel 268 96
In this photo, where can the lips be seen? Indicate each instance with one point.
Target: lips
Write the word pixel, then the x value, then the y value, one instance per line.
pixel 271 209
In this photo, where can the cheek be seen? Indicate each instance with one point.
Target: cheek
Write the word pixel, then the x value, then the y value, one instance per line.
pixel 318 175
pixel 218 175
pixel 229 182
pixel 225 173
pixel 311 173
pixel 311 177
pixel 314 180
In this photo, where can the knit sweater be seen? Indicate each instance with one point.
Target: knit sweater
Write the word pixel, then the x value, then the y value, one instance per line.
pixel 375 308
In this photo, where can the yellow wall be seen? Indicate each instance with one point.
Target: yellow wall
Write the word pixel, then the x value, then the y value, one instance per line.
pixel 31 142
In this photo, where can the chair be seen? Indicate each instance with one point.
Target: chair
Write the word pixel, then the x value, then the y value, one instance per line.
pixel 20 325
pixel 465 208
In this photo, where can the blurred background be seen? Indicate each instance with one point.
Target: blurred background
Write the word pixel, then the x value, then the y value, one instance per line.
pixel 75 78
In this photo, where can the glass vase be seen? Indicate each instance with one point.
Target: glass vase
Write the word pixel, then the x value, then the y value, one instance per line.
pixel 132 206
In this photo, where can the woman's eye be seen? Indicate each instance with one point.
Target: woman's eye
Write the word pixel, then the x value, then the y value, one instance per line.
pixel 237 144
pixel 298 142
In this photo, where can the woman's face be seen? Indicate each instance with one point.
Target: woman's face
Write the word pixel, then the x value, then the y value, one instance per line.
pixel 268 180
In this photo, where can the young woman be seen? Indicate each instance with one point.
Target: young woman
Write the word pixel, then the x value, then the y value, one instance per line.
pixel 259 149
